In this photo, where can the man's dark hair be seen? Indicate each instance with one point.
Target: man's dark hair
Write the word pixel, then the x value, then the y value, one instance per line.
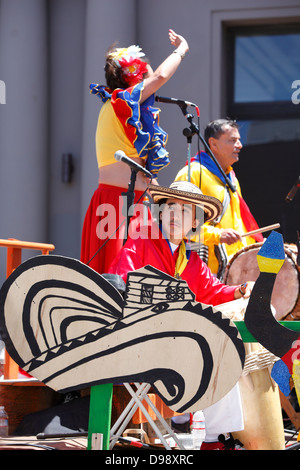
pixel 216 128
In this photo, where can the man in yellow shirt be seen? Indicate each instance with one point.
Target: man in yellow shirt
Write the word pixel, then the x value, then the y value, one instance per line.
pixel 222 239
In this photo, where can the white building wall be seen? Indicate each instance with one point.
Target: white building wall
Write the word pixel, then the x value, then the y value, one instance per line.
pixel 201 77
pixel 106 22
pixel 24 120
pixel 50 50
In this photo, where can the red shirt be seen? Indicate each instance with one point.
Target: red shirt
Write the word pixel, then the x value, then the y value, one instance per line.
pixel 156 252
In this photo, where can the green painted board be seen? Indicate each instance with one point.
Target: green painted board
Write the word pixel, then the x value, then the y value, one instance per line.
pixel 100 413
pixel 247 336
pixel 101 395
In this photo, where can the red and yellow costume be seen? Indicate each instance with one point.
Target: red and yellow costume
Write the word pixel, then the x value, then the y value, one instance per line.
pixel 237 215
pixel 152 248
pixel 126 124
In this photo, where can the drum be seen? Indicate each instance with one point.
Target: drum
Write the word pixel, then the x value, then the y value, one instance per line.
pixel 263 423
pixel 285 298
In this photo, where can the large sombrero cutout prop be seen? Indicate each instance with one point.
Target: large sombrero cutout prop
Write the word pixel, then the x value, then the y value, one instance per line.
pixel 70 328
pixel 190 193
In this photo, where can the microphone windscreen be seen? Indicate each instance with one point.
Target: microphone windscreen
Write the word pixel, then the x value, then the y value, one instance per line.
pixel 119 155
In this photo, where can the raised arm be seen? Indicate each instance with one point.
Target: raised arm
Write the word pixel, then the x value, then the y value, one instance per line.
pixel 167 68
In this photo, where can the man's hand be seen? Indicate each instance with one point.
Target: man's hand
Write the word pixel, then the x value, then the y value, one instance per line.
pixel 230 236
pixel 244 290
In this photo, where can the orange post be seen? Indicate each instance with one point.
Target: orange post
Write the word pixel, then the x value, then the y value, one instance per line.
pixel 13 260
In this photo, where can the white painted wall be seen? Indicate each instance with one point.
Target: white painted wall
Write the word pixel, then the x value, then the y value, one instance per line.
pixel 49 53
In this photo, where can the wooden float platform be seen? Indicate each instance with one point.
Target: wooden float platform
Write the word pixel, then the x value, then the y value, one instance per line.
pixel 33 443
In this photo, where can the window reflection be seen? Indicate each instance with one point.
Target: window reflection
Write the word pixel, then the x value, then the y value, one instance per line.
pixel 265 67
pixel 255 132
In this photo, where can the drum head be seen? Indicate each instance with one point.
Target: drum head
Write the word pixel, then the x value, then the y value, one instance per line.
pixel 243 267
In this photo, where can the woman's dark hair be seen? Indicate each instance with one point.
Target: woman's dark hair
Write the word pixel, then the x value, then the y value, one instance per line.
pixel 113 73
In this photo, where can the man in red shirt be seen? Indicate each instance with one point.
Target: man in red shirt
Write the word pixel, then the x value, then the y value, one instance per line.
pixel 182 209
pixel 165 246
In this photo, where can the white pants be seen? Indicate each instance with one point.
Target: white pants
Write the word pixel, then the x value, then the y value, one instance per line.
pixel 226 415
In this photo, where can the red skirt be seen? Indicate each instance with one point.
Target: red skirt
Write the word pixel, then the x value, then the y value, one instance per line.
pixel 104 229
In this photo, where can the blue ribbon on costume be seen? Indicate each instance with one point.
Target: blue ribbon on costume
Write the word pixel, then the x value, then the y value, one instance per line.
pixel 204 159
pixel 150 137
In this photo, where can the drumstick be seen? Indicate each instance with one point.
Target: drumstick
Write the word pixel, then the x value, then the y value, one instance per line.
pixel 261 230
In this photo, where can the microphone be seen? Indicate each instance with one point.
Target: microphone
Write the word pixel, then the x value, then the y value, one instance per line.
pixel 121 157
pixel 292 193
pixel 180 103
pixel 162 99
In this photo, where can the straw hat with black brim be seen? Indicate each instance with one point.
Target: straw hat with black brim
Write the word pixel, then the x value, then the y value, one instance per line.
pixel 186 191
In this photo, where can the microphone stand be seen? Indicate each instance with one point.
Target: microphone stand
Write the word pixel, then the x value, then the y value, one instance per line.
pixel 128 200
pixel 193 129
pixel 127 211
pixel 188 134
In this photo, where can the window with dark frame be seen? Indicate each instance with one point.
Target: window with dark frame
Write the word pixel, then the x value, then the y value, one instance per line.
pixel 262 64
pixel 263 81
pixel 262 92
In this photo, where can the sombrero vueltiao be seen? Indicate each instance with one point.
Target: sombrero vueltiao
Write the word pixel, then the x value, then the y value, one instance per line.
pixel 186 191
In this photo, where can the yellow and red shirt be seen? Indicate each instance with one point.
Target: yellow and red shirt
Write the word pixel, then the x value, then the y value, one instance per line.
pixel 237 215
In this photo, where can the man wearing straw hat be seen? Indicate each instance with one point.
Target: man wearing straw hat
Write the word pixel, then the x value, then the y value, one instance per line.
pixel 182 208
pixel 222 237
